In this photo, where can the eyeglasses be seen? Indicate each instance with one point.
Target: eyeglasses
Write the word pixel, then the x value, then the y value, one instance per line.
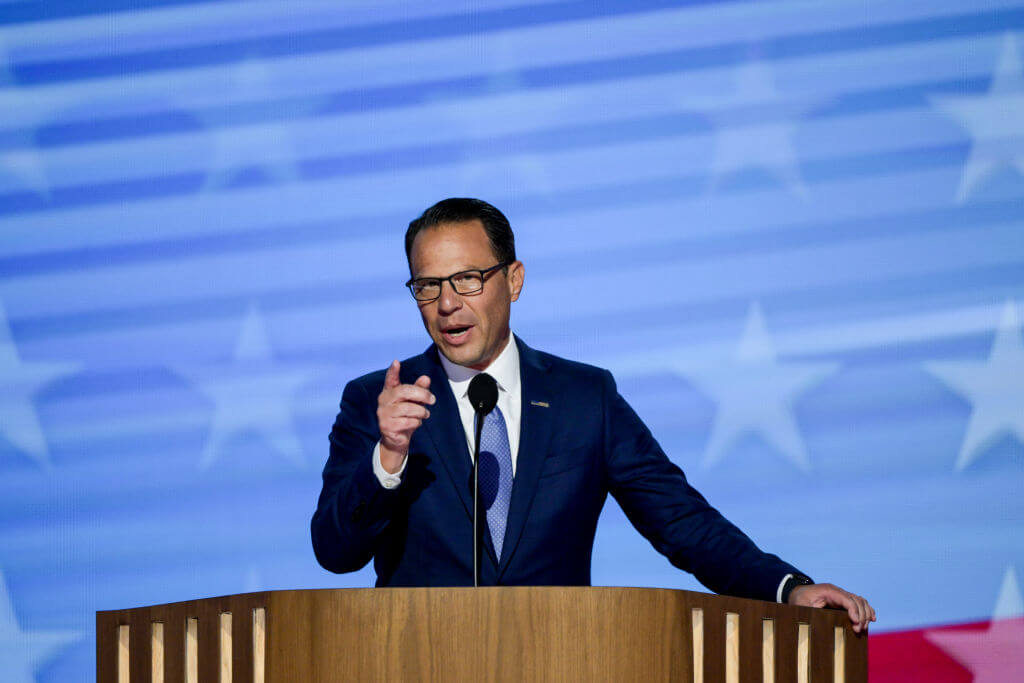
pixel 466 282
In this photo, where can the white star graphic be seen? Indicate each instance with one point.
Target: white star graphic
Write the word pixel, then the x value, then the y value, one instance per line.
pixel 756 125
pixel 996 654
pixel 23 651
pixel 995 121
pixel 251 395
pixel 19 382
pixel 20 161
pixel 994 387
pixel 267 146
pixel 755 394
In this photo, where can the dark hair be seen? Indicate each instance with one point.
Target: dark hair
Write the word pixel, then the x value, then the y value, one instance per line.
pixel 461 210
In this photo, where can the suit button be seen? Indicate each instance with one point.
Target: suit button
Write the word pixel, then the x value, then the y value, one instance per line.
pixel 358 513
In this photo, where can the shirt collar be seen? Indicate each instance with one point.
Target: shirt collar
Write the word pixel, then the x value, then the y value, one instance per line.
pixel 504 369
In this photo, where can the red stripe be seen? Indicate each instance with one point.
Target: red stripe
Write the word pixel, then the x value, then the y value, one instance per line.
pixel 904 656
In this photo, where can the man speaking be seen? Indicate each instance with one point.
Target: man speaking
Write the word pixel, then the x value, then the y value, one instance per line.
pixel 397 487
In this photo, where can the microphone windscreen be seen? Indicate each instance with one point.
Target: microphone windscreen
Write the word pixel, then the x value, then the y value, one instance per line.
pixel 483 393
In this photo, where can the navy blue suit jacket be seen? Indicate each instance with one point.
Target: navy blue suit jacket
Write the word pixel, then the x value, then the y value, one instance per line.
pixel 579 441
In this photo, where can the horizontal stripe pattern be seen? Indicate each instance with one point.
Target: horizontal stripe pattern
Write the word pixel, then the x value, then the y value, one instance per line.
pixel 202 209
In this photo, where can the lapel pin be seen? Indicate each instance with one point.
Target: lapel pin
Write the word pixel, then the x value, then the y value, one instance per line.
pixel 542 404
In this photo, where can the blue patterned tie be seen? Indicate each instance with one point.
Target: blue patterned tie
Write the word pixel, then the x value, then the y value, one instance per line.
pixel 495 476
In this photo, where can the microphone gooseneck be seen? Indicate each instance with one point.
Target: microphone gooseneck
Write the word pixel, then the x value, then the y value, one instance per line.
pixel 483 395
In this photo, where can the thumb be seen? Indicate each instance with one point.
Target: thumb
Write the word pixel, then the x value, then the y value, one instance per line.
pixel 423 381
pixel 391 378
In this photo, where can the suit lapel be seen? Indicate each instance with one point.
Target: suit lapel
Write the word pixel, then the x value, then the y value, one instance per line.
pixel 444 427
pixel 535 429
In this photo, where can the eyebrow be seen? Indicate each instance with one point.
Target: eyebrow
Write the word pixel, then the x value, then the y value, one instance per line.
pixel 441 277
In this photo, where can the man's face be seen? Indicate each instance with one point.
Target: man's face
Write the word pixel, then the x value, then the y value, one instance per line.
pixel 469 329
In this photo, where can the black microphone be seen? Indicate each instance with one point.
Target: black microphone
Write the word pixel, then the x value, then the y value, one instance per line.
pixel 483 395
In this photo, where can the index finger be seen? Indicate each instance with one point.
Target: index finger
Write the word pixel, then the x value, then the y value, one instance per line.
pixel 391 377
pixel 414 393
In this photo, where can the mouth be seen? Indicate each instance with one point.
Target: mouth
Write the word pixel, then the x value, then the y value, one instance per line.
pixel 456 334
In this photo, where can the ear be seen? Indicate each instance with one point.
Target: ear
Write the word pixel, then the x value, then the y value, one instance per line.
pixel 516 276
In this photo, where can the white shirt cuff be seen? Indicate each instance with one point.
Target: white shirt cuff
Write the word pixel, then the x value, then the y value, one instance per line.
pixel 778 593
pixel 386 479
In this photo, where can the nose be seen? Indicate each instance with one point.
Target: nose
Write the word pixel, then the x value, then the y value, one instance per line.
pixel 450 300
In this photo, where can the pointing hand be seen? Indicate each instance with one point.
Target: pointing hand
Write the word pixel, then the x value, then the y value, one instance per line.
pixel 401 409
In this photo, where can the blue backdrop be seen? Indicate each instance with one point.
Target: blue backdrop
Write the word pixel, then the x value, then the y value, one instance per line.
pixel 793 230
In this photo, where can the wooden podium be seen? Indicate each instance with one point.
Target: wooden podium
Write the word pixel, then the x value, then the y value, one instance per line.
pixel 481 634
